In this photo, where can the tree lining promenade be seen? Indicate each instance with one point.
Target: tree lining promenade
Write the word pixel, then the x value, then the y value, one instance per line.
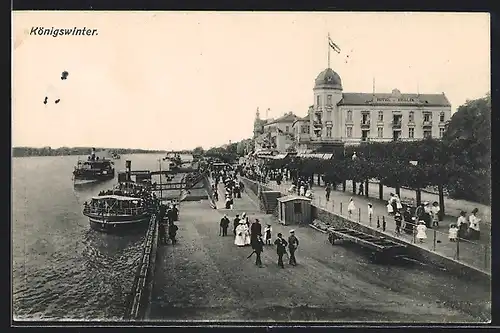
pixel 475 254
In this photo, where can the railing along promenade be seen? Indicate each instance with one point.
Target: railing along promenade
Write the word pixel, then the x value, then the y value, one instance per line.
pixel 471 253
pixel 140 296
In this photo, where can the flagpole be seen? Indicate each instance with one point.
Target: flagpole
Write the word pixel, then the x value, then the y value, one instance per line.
pixel 328 43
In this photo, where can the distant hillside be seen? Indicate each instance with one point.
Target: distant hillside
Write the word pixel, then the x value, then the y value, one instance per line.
pixel 63 151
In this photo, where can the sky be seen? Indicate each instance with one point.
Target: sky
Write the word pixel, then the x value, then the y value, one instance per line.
pixel 178 80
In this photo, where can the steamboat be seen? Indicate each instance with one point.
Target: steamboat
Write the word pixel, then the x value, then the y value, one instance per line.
pixel 127 206
pixel 93 169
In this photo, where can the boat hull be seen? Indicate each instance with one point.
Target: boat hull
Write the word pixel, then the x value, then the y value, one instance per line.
pixel 116 224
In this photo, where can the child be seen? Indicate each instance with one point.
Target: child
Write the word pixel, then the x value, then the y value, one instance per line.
pixel 351 207
pixel 453 232
pixel 370 212
pixel 390 209
pixel 398 218
pixel 421 229
pixel 267 234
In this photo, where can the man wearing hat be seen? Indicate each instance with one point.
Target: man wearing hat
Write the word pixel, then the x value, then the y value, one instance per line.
pixel 224 224
pixel 293 243
pixel 236 223
pixel 280 249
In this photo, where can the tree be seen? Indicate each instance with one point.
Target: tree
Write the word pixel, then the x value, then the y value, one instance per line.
pixel 198 151
pixel 468 142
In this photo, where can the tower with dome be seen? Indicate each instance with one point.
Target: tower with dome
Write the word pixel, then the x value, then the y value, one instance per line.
pixel 340 118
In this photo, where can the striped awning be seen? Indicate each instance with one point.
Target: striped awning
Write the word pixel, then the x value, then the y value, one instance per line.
pixel 280 156
pixel 318 156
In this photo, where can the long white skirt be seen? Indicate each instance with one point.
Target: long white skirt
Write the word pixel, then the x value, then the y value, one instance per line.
pixel 247 238
pixel 239 240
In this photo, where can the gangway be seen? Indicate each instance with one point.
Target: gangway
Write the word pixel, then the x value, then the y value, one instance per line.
pixel 381 246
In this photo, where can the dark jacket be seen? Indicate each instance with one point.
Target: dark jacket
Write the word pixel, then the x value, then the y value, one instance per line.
pixel 281 245
pixel 236 222
pixel 256 229
pixel 224 222
pixel 293 242
pixel 172 229
pixel 258 245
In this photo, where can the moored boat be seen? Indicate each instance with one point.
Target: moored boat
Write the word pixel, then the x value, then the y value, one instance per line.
pixel 116 213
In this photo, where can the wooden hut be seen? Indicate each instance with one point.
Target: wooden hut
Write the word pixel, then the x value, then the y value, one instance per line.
pixel 294 210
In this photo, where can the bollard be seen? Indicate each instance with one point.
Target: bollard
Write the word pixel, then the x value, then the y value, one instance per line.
pixel 434 241
pixel 359 214
pixel 378 222
pixel 341 208
pixel 383 223
pixel 370 220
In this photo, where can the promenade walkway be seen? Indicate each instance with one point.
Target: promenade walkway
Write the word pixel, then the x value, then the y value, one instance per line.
pixel 206 277
pixel 475 254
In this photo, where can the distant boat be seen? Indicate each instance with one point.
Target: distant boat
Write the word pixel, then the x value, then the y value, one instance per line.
pixel 114 155
pixel 93 169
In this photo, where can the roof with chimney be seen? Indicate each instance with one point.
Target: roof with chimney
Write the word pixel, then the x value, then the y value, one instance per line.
pixel 394 98
pixel 286 118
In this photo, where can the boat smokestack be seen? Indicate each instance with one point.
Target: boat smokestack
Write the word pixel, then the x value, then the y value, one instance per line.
pixel 92 154
pixel 128 170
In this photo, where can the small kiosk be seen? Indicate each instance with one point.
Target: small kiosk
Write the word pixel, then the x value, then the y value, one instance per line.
pixel 294 210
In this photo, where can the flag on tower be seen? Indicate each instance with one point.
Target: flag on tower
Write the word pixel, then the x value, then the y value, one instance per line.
pixel 334 46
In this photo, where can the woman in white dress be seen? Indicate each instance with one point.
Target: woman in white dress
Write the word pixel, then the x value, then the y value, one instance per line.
pixel 246 233
pixel 239 239
pixel 351 207
pixel 421 231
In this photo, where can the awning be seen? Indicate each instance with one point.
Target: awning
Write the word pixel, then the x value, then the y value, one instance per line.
pixel 280 156
pixel 116 197
pixel 318 156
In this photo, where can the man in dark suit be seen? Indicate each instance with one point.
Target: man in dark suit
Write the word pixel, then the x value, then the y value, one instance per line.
pixel 293 243
pixel 236 222
pixel 256 229
pixel 224 224
pixel 281 245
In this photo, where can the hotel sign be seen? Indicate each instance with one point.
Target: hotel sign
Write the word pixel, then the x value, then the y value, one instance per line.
pixel 396 100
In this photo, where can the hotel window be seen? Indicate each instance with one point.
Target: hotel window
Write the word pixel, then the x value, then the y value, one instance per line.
pixel 427 134
pixel 411 132
pixel 348 132
pixel 441 117
pixel 329 132
pixel 411 116
pixel 308 129
pixel 381 116
pixel 287 129
pixel 304 130
pixel 349 116
pixel 318 100
pixel 441 132
pixel 427 116
pixel 365 118
pixel 329 100
pixel 380 132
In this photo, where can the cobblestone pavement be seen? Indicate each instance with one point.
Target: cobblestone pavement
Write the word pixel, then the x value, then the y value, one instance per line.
pixel 476 254
pixel 205 277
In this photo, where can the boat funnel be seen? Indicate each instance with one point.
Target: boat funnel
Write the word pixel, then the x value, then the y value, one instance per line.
pixel 128 170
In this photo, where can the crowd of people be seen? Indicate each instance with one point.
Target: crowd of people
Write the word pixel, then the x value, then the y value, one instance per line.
pixel 408 219
pixel 247 233
pixel 168 214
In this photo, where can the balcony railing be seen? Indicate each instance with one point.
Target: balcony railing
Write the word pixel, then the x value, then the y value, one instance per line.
pixel 396 124
pixel 365 123
pixel 427 123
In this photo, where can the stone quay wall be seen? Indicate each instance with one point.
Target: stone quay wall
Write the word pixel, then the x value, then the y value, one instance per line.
pixel 140 298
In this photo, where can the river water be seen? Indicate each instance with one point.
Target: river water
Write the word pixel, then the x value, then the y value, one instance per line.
pixel 61 268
